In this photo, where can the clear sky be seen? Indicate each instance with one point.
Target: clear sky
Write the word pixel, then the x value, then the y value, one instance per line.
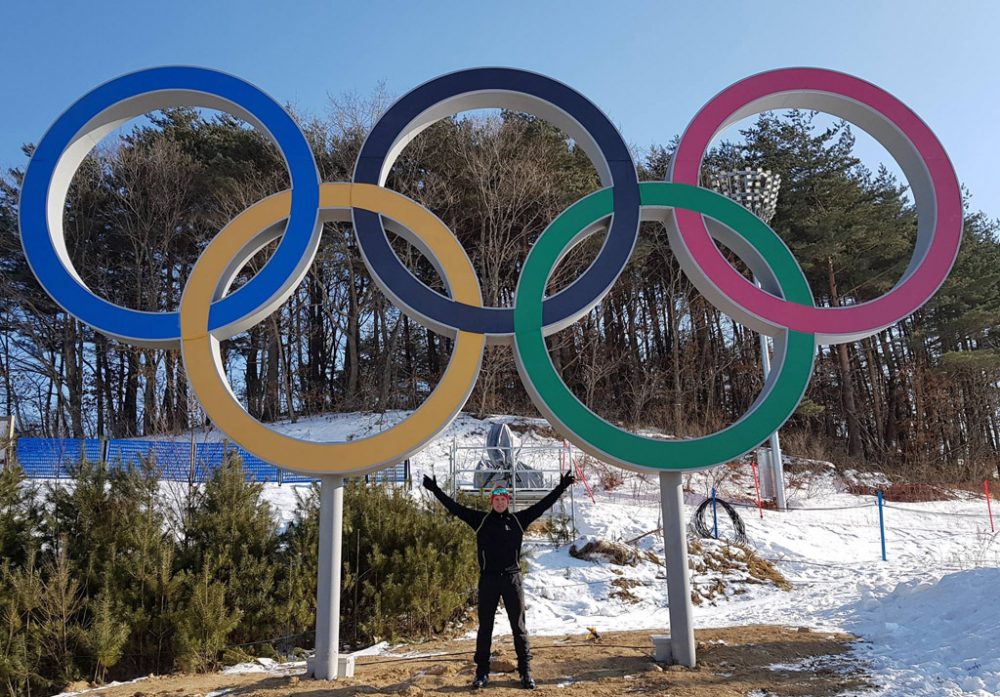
pixel 649 65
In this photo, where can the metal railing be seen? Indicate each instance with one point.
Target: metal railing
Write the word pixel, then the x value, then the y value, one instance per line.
pixel 533 472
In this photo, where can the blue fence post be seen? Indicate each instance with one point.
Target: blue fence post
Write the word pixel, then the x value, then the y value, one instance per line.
pixel 881 524
pixel 715 517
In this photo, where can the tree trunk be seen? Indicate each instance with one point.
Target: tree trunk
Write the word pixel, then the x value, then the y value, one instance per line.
pixel 351 368
pixel 271 407
pixel 74 386
pixel 252 374
pixel 150 416
pixel 854 448
pixel 675 364
pixel 130 407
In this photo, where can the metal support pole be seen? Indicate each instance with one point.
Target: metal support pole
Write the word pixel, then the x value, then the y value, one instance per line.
pixel 989 505
pixel 777 466
pixel 331 526
pixel 452 477
pixel 682 646
pixel 881 524
pixel 193 461
pixel 715 517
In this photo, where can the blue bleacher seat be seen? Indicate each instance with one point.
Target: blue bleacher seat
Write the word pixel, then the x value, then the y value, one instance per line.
pixel 172 459
pixel 53 458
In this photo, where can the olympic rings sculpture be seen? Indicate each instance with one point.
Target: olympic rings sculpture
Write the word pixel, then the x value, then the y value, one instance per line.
pixel 694 219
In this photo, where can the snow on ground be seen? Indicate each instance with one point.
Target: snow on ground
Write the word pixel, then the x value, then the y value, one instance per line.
pixel 928 617
pixel 929 636
pixel 98 690
pixel 266 665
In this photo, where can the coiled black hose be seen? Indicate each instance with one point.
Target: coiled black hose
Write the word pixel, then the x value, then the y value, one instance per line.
pixel 703 529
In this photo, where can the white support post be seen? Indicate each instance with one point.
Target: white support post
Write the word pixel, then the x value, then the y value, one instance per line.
pixel 452 476
pixel 682 646
pixel 331 526
pixel 776 464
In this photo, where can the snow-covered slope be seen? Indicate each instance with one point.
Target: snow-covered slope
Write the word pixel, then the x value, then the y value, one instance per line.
pixel 928 617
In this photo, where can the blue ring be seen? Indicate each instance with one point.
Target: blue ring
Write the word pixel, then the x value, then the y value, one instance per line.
pixel 583 292
pixel 162 327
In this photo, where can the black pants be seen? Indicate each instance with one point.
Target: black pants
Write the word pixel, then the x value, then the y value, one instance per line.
pixel 492 587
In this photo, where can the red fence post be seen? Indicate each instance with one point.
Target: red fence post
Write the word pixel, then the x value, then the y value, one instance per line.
pixel 574 467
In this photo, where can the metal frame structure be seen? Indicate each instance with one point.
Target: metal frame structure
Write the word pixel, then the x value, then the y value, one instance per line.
pixel 563 454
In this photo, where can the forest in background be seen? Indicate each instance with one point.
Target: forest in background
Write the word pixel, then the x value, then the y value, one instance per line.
pixel 921 397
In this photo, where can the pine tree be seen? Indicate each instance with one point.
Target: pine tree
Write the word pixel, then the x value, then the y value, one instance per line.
pixel 14 671
pixel 144 581
pixel 298 567
pixel 234 527
pixel 204 625
pixel 107 634
pixel 19 516
pixel 59 612
pixel 410 571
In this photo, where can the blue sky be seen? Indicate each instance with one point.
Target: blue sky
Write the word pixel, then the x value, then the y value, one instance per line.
pixel 649 65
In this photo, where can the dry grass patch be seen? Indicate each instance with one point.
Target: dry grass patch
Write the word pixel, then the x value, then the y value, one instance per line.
pixel 904 492
pixel 622 590
pixel 610 552
pixel 726 557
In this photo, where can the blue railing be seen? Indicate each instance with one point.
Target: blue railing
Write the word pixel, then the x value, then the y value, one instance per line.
pixel 55 458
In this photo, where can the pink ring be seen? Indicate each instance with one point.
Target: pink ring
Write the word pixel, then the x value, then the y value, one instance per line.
pixel 908 139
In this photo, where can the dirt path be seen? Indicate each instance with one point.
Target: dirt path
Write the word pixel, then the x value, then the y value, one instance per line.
pixel 732 662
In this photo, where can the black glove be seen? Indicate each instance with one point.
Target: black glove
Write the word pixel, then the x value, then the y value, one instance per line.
pixel 431 484
pixel 567 480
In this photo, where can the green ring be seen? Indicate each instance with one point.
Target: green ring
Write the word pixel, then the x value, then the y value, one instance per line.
pixel 782 391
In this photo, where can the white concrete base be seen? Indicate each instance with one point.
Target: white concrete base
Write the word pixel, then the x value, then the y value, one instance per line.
pixel 345 667
pixel 661 648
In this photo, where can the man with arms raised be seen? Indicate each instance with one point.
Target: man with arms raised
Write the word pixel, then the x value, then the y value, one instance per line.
pixel 499 533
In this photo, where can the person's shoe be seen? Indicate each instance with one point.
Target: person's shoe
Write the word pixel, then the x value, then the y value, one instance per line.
pixel 480 682
pixel 527 682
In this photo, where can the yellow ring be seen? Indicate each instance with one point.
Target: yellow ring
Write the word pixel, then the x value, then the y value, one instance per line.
pixel 202 360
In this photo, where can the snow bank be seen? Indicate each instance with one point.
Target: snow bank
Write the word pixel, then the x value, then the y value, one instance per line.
pixel 939 637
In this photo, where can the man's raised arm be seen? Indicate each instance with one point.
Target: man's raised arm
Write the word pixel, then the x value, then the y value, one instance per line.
pixel 530 514
pixel 469 515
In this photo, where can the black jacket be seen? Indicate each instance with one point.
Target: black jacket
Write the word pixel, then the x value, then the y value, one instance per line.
pixel 499 535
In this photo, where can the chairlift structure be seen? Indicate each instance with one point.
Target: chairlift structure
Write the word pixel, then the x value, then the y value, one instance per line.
pixel 528 472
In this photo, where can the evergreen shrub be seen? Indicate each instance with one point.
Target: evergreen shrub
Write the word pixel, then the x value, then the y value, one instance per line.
pixel 115 574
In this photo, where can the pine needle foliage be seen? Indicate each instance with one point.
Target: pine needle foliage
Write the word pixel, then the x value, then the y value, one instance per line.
pixel 409 571
pixel 116 574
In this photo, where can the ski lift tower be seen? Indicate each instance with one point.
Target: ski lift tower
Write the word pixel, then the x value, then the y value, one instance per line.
pixel 527 472
pixel 757 191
